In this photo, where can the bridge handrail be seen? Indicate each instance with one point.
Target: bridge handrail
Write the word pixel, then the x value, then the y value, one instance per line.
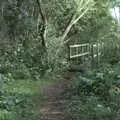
pixel 79 45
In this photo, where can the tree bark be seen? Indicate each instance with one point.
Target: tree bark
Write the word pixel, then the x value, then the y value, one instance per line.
pixel 42 25
pixel 42 31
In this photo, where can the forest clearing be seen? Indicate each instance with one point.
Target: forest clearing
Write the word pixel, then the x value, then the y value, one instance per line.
pixel 60 60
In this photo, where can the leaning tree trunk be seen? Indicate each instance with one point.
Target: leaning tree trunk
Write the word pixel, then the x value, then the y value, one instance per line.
pixel 83 9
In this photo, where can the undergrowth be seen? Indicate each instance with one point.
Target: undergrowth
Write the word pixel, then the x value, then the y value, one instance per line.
pixel 17 98
pixel 95 95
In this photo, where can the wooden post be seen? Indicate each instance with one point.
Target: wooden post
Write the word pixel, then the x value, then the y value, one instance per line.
pixel 69 52
pixel 83 52
pixel 98 56
pixel 92 55
pixel 77 52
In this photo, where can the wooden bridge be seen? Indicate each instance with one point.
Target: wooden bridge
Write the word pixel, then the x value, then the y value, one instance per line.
pixel 93 51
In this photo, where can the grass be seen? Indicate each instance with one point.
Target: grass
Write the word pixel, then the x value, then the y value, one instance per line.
pixel 28 86
pixel 28 93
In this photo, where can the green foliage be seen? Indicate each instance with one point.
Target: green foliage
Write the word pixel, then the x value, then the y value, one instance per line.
pixel 6 115
pixel 57 55
pixel 23 56
pixel 17 98
pixel 17 103
pixel 95 95
pixel 87 108
pixel 22 53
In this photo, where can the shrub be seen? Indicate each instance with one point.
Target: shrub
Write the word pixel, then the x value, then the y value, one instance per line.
pixel 95 96
pixel 15 105
pixel 87 108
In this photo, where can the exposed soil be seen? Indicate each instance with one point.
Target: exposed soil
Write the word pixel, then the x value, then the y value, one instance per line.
pixel 53 103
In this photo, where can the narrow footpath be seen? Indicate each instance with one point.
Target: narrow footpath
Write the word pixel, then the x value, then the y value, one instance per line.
pixel 53 103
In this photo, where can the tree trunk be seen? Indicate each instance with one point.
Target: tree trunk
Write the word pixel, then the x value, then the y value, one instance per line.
pixel 42 33
pixel 73 21
pixel 42 25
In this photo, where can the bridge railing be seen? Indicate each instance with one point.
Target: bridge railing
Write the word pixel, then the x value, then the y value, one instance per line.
pixel 79 50
pixel 94 50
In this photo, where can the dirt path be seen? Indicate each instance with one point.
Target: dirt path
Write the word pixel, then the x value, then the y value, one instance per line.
pixel 53 103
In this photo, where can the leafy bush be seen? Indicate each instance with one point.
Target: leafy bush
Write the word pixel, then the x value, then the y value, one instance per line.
pixel 21 72
pixel 88 108
pixel 56 54
pixel 15 105
pixel 6 115
pixel 95 96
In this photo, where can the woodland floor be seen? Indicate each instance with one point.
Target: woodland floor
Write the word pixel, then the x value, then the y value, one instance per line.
pixel 53 102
